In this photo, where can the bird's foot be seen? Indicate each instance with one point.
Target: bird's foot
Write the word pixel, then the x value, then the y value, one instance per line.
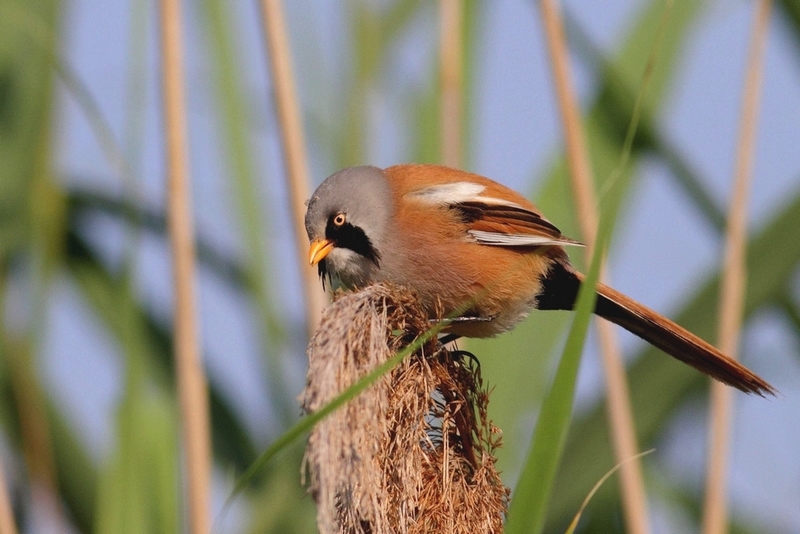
pixel 464 319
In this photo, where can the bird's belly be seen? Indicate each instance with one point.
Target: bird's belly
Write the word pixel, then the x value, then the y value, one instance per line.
pixel 479 310
pixel 490 321
pixel 497 295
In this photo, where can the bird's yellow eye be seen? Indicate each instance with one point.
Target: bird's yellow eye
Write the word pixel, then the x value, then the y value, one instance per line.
pixel 339 219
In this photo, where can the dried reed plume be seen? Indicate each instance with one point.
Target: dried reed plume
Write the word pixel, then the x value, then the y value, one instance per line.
pixel 414 451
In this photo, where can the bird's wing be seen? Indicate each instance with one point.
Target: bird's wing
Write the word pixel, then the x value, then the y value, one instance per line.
pixel 509 226
pixel 491 220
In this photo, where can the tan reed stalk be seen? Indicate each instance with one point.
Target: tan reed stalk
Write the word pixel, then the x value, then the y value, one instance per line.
pixel 451 54
pixel 294 150
pixel 34 428
pixel 35 434
pixel 192 389
pixel 7 524
pixel 734 278
pixel 619 406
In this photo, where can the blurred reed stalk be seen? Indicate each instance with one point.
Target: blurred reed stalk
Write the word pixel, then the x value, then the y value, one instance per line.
pixel 37 441
pixel 31 407
pixel 192 389
pixel 6 512
pixel 451 15
pixel 294 150
pixel 734 279
pixel 7 525
pixel 619 405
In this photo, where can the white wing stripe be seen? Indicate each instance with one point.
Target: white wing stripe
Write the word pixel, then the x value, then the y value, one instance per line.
pixel 492 201
pixel 448 193
pixel 517 240
pixel 457 192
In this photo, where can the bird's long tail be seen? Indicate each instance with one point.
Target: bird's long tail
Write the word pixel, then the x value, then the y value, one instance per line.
pixel 663 334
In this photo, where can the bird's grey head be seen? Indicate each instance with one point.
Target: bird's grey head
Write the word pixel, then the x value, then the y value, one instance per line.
pixel 346 221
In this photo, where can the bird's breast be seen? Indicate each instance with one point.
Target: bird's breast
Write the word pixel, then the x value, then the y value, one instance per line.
pixel 458 277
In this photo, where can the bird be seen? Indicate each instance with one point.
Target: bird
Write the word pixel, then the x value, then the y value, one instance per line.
pixel 477 251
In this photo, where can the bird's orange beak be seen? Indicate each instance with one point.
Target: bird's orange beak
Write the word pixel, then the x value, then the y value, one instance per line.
pixel 318 250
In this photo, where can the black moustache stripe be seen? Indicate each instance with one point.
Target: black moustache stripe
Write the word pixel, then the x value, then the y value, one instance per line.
pixel 353 238
pixel 324 275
